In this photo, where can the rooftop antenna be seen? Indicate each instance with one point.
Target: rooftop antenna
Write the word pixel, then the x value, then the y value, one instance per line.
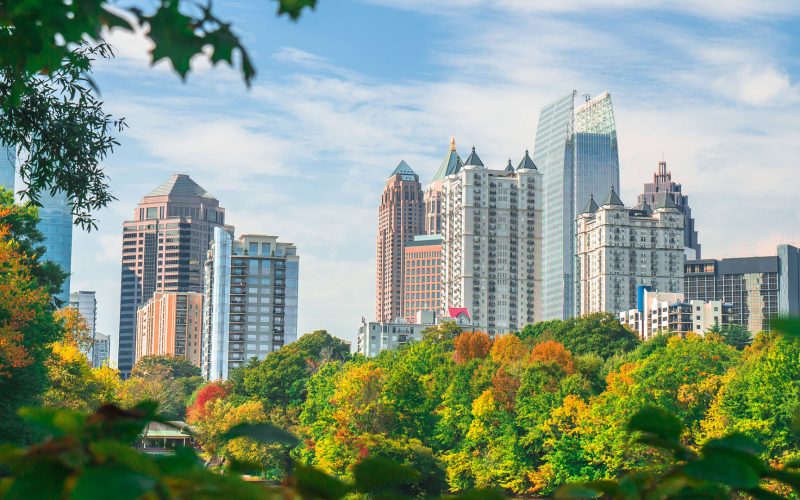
pixel 587 97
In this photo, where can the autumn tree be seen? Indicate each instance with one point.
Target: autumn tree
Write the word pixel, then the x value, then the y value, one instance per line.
pixel 76 330
pixel 507 349
pixel 73 383
pixel 471 345
pixel 598 333
pixel 551 351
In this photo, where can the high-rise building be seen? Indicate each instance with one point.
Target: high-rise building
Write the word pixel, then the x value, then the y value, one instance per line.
pixel 56 223
pixel 164 247
pixel 170 324
pixel 450 165
pixel 250 306
pixel 619 249
pixel 491 244
pixel 400 218
pixel 576 150
pixel 659 312
pixel 86 304
pixel 101 351
pixel 760 288
pixel 663 185
pixel 8 165
pixel 422 276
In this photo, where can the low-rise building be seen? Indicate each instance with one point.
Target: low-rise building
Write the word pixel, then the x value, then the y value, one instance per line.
pixel 661 312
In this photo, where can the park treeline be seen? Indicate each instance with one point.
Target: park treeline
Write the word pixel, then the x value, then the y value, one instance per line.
pixel 523 413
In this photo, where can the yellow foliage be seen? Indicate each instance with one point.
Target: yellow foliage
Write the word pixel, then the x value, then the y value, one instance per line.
pixel 507 349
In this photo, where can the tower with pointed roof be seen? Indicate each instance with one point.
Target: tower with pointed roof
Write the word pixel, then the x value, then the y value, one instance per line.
pixel 620 249
pixel 491 244
pixel 432 198
pixel 662 187
pixel 576 150
pixel 400 218
pixel 164 247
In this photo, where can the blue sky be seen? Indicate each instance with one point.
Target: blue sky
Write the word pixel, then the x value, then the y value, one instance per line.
pixel 358 85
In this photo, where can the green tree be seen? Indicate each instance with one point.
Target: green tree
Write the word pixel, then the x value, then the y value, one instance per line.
pixel 736 336
pixel 598 333
pixel 171 366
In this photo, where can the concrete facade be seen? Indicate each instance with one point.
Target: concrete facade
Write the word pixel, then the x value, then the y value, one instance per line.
pixel 170 324
pixel 422 276
pixel 669 312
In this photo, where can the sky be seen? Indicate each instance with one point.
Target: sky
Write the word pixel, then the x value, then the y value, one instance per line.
pixel 356 86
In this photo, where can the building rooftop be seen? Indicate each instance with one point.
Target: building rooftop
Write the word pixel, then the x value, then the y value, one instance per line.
pixel 451 163
pixel 527 162
pixel 180 185
pixel 473 159
pixel 613 199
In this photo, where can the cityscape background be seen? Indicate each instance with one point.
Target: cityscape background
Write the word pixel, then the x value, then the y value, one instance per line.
pixel 330 115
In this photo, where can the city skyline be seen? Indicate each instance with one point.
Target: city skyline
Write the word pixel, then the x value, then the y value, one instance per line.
pixel 714 109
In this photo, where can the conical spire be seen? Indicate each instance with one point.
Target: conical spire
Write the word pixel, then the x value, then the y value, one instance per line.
pixel 613 199
pixel 590 207
pixel 646 208
pixel 450 164
pixel 509 167
pixel 473 159
pixel 665 202
pixel 527 162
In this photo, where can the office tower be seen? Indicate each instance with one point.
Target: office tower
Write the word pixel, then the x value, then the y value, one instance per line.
pixel 250 306
pixel 620 249
pixel 491 244
pixel 101 354
pixel 433 193
pixel 760 288
pixel 8 165
pixel 663 185
pixel 576 150
pixel 164 247
pixel 400 218
pixel 659 312
pixel 56 223
pixel 422 276
pixel 86 304
pixel 170 324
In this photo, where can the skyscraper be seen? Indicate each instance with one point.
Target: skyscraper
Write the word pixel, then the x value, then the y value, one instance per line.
pixel 400 218
pixel 491 244
pixel 169 324
pixel 86 304
pixel 164 247
pixel 433 193
pixel 662 186
pixel 250 306
pixel 8 164
pixel 422 276
pixel 56 223
pixel 576 150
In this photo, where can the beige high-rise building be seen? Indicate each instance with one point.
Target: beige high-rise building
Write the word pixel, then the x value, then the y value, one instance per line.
pixel 619 249
pixel 400 218
pixel 491 244
pixel 169 324
pixel 450 165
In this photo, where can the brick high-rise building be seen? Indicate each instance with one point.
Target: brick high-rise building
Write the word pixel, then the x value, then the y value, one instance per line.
pixel 163 249
pixel 169 324
pixel 400 218
pixel 422 276
pixel 662 186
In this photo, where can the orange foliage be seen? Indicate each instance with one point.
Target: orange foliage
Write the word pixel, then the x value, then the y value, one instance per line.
pixel 504 387
pixel 209 393
pixel 507 349
pixel 21 302
pixel 471 345
pixel 551 351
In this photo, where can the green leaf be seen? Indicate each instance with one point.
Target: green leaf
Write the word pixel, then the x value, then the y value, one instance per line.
pixel 787 326
pixel 653 420
pixel 313 483
pixel 734 442
pixel 108 451
pixel 577 490
pixel 183 459
pixel 111 483
pixel 174 37
pixel 58 422
pixel 42 479
pixel 378 474
pixel 725 469
pixel 293 8
pixel 263 433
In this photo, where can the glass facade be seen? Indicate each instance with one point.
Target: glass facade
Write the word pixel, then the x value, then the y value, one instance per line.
pixel 576 150
pixel 216 309
pixel 56 225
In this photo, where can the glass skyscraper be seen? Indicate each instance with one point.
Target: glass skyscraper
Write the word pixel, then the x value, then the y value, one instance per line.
pixel 55 223
pixel 576 150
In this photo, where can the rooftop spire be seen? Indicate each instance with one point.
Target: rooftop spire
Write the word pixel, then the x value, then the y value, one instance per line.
pixel 613 199
pixel 509 167
pixel 591 207
pixel 473 159
pixel 451 163
pixel 452 143
pixel 527 162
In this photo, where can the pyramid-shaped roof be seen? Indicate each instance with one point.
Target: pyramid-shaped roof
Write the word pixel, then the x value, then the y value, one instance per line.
pixel 613 199
pixel 665 202
pixel 591 207
pixel 180 185
pixel 509 167
pixel 473 159
pixel 402 168
pixel 646 208
pixel 527 162
pixel 451 163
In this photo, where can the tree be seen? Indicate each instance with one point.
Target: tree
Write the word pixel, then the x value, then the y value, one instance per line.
pixel 76 330
pixel 171 366
pixel 507 349
pixel 205 395
pixel 554 352
pixel 446 331
pixel 171 393
pixel 736 336
pixel 599 333
pixel 471 345
pixel 539 329
pixel 73 382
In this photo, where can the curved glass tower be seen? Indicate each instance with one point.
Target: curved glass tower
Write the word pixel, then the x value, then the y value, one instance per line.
pixel 576 150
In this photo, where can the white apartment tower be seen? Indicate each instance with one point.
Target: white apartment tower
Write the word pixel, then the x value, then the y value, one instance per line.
pixel 491 244
pixel 619 248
